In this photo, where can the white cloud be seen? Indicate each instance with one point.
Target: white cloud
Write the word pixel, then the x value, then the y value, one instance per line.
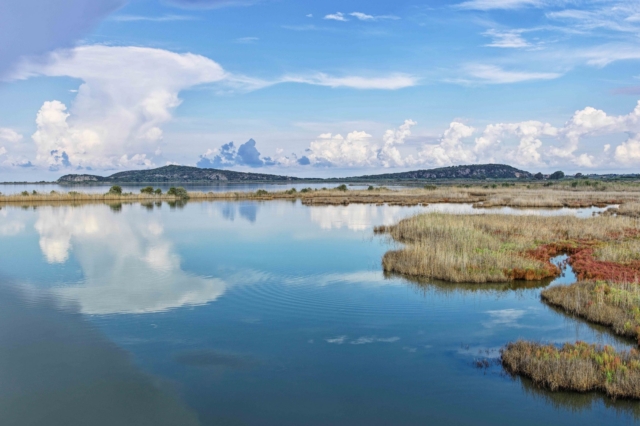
pixel 358 149
pixel 126 95
pixel 628 152
pixel 526 153
pixel 601 56
pixel 450 149
pixel 525 143
pixel 364 17
pixel 354 150
pixel 618 16
pixel 390 82
pixel 506 39
pixel 3 150
pixel 389 155
pixel 9 135
pixel 338 16
pixel 498 4
pixel 492 74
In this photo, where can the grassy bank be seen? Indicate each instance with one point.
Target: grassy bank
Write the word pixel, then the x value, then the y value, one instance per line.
pixel 482 196
pixel 340 195
pixel 615 305
pixel 578 367
pixel 498 248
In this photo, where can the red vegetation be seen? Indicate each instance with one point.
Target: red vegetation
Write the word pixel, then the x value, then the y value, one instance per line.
pixel 584 264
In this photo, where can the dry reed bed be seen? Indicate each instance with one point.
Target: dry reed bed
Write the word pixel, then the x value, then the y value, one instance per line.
pixel 498 248
pixel 579 367
pixel 615 305
pixel 487 196
pixel 556 198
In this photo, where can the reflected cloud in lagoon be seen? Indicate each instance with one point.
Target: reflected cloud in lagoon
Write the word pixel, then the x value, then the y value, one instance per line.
pixel 127 263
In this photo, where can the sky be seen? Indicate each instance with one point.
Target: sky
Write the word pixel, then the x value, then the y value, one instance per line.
pixel 318 89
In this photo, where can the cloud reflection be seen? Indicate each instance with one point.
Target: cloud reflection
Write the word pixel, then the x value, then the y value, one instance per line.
pixel 128 265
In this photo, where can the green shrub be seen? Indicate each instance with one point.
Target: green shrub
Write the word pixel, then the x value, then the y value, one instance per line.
pixel 158 191
pixel 291 191
pixel 147 190
pixel 178 192
pixel 430 187
pixel 25 193
pixel 342 187
pixel 370 188
pixel 115 190
pixel 304 190
pixel 261 192
pixel 556 175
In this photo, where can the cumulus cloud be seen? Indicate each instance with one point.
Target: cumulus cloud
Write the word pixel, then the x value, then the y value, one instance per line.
pixel 593 122
pixel 628 152
pixel 358 149
pixel 228 156
pixel 126 95
pixel 528 150
pixel 450 149
pixel 9 135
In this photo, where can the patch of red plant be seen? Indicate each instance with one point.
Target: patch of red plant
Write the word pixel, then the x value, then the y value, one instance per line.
pixel 585 265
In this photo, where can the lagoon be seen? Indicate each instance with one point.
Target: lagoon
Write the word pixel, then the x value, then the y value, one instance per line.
pixel 260 313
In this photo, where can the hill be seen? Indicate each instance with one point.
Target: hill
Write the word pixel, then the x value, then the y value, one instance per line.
pixel 168 174
pixel 475 171
pixel 185 174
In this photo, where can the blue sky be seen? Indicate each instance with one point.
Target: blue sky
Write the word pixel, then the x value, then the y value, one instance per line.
pixel 317 88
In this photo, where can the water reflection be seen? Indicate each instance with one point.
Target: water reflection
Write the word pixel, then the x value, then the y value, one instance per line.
pixel 358 217
pixel 57 370
pixel 577 402
pixel 127 263
pixel 245 209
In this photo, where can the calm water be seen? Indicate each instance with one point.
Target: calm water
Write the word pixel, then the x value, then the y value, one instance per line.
pixel 254 313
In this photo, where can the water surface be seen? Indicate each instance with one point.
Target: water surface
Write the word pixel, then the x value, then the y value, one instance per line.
pixel 259 313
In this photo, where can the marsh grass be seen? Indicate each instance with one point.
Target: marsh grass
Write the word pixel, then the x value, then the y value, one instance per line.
pixel 579 367
pixel 615 305
pixel 494 248
pixel 513 195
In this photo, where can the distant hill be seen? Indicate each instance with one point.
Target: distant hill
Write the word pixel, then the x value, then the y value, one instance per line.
pixel 175 174
pixel 185 174
pixel 475 171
